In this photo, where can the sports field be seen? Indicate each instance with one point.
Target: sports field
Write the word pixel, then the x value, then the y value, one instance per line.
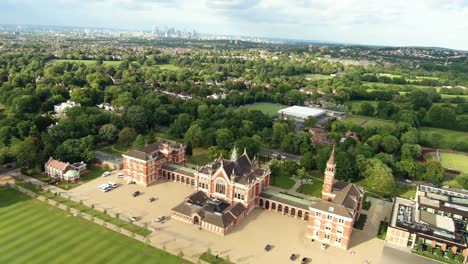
pixel 32 231
pixel 454 161
pixel 267 108
pixel 449 137
pixel 366 121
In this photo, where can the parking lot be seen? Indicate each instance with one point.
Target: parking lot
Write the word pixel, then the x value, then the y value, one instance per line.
pixel 246 242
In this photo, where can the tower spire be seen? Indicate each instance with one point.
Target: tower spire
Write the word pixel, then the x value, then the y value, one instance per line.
pixel 234 153
pixel 331 160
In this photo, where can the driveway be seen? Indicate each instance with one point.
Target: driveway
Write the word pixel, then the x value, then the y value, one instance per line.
pixel 246 241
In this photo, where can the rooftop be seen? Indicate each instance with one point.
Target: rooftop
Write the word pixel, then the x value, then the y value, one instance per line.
pixel 302 111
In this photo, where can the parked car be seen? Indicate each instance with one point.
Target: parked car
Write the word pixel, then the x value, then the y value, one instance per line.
pixel 135 194
pixel 105 174
pixel 152 199
pixel 160 219
pixel 267 248
pixel 293 257
pixel 133 218
pixel 120 175
pixel 304 261
pixel 112 184
pixel 323 246
pixel 104 187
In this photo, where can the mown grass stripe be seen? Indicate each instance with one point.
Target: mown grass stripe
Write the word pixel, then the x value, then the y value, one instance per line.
pixel 29 243
pixel 20 232
pixel 32 232
pixel 65 240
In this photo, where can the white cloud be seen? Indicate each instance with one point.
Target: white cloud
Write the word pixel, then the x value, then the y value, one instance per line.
pixel 392 22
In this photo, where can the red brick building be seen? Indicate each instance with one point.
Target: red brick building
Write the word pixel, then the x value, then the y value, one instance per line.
pixel 227 191
pixel 331 219
pixel 145 166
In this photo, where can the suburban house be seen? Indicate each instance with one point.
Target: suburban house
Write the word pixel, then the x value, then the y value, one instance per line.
pixel 437 217
pixel 62 171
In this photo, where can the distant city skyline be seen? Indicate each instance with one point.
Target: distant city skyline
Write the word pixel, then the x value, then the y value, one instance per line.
pixel 430 23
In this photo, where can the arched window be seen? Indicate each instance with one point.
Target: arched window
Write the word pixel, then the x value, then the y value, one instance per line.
pixel 339 230
pixel 220 187
pixel 328 226
pixel 317 223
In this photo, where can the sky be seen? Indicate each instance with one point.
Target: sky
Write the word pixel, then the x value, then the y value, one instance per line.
pixel 436 23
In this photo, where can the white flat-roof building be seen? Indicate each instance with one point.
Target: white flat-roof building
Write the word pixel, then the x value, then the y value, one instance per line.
pixel 65 105
pixel 302 112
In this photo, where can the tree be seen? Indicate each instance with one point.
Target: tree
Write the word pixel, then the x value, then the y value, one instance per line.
pixel 26 153
pixel 180 125
pixel 26 104
pixel 462 180
pixel 75 150
pixel 310 121
pixel 249 144
pixel 378 176
pixel 410 151
pixel 407 168
pixel 434 172
pixel 346 169
pixel 109 133
pixel 194 135
pixel 189 149
pixel 139 142
pixel 308 161
pixel 127 135
pixel 136 117
pixel 390 144
pixel 224 138
pixel 366 109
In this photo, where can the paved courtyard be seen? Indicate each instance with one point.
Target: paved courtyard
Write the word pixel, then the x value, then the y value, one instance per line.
pixel 246 241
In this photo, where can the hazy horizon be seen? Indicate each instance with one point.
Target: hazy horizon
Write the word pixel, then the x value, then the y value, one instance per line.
pixel 433 23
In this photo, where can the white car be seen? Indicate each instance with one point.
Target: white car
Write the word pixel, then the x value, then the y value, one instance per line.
pixel 160 219
pixel 120 175
pixel 323 246
pixel 104 187
pixel 105 174
pixel 112 184
pixel 133 218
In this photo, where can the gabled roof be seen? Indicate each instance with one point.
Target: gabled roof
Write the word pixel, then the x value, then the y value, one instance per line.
pixel 57 164
pixel 243 169
pixel 151 151
pixel 346 194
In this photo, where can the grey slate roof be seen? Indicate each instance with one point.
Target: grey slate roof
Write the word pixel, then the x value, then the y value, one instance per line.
pixel 197 203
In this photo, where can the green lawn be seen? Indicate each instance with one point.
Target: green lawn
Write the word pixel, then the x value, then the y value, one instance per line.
pixel 312 189
pixel 405 190
pixel 316 77
pixel 367 121
pixel 449 137
pixel 85 209
pixel 282 181
pixel 89 62
pixel 199 157
pixel 33 232
pixel 269 109
pixel 210 258
pixel 454 161
pixel 116 149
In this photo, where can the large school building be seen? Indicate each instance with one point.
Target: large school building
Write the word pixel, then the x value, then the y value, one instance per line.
pixel 227 190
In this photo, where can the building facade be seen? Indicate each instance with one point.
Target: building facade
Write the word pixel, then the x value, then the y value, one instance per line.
pixel 331 219
pixel 230 190
pixel 437 218
pixel 145 166
pixel 63 171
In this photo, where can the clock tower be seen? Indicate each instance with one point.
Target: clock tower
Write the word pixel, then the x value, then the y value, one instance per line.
pixel 329 178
